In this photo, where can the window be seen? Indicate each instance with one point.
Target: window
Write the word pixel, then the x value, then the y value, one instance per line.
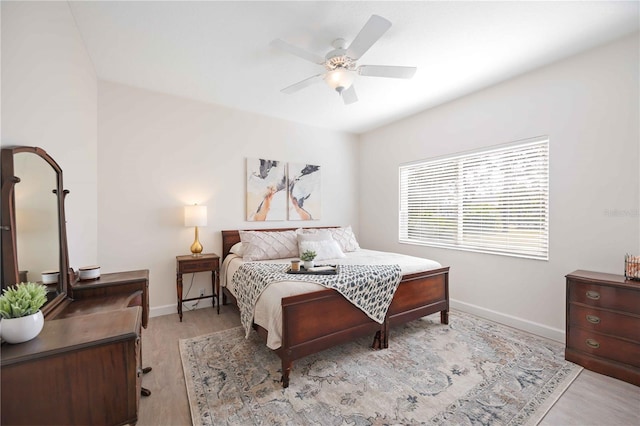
pixel 494 201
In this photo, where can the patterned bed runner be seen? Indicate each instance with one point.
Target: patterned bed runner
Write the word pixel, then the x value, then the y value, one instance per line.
pixel 369 287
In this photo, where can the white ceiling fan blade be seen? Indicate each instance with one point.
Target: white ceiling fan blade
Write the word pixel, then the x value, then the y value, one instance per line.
pixel 302 84
pixel 386 71
pixel 375 27
pixel 349 95
pixel 298 51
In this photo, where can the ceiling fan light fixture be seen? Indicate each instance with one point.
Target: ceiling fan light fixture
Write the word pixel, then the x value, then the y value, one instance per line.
pixel 340 79
pixel 341 62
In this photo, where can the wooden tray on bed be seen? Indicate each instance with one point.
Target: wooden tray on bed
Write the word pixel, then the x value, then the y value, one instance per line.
pixel 333 270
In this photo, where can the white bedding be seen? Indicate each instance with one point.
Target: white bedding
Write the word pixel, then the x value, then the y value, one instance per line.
pixel 268 311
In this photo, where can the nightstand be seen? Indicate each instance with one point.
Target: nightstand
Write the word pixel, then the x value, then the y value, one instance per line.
pixel 191 264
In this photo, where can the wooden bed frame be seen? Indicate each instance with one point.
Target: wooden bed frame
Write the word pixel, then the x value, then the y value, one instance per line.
pixel 313 322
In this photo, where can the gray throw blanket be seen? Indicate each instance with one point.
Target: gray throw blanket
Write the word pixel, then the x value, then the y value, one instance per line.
pixel 368 287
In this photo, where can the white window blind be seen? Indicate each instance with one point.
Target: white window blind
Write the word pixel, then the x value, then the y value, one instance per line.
pixel 494 201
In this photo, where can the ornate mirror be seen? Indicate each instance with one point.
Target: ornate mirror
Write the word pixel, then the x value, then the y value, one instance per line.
pixel 33 223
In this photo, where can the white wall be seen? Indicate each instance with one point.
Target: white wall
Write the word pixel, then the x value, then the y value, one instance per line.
pixel 588 106
pixel 158 153
pixel 49 99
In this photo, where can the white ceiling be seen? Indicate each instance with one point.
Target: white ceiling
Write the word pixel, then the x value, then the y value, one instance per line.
pixel 218 52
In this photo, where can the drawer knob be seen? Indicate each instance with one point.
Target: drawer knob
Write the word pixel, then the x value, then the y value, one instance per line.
pixel 593 319
pixel 592 343
pixel 593 295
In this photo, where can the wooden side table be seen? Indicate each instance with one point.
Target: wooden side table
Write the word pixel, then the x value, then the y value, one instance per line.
pixel 191 264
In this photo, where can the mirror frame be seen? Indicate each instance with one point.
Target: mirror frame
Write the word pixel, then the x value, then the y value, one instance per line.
pixel 10 268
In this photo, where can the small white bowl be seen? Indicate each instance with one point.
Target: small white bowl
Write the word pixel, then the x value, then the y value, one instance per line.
pixel 50 277
pixel 89 272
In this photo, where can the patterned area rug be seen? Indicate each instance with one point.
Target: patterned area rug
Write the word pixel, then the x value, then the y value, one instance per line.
pixel 469 372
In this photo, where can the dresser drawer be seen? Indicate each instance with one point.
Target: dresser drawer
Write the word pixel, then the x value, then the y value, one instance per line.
pixel 604 346
pixel 614 298
pixel 615 324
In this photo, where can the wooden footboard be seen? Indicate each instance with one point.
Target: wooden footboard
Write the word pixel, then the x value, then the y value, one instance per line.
pixel 316 321
pixel 313 322
pixel 419 295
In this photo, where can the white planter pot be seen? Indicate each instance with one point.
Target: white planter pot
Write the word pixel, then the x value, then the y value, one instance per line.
pixel 18 330
pixel 308 264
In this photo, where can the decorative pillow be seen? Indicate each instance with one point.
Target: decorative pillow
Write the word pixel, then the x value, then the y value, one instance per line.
pixel 345 238
pixel 325 249
pixel 238 249
pixel 313 235
pixel 265 245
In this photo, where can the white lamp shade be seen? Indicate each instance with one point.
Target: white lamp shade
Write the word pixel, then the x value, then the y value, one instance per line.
pixel 339 79
pixel 195 215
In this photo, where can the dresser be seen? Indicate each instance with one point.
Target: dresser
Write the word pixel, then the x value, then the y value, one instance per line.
pixel 79 370
pixel 85 366
pixel 603 324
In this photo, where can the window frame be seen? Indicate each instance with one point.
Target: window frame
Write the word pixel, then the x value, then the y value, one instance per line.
pixel 517 230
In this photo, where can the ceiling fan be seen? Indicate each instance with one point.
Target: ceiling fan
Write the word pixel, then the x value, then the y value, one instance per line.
pixel 340 63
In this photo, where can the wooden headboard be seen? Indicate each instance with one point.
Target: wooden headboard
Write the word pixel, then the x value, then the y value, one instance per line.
pixel 231 237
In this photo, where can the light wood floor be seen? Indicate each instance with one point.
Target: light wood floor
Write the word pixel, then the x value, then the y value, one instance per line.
pixel 592 399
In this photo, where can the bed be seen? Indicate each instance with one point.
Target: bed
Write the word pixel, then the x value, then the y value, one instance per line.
pixel 321 318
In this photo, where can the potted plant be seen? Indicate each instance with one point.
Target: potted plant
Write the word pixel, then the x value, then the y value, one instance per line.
pixel 307 257
pixel 20 305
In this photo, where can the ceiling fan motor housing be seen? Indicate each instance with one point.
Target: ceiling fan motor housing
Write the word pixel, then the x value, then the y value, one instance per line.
pixel 338 58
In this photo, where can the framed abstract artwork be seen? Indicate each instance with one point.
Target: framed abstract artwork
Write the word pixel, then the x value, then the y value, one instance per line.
pixel 266 190
pixel 304 191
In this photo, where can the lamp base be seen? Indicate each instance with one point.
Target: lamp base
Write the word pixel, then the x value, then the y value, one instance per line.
pixel 196 247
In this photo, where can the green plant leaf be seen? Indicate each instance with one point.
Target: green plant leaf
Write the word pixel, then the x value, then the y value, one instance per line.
pixel 308 255
pixel 22 299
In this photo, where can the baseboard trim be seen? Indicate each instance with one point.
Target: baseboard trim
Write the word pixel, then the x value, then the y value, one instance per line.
pixel 511 321
pixel 159 311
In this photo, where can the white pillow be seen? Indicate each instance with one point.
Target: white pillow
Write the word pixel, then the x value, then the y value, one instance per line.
pixel 238 249
pixel 345 238
pixel 265 245
pixel 313 235
pixel 322 243
pixel 325 249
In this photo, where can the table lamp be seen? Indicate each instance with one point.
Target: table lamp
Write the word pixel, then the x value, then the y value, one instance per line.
pixel 195 216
